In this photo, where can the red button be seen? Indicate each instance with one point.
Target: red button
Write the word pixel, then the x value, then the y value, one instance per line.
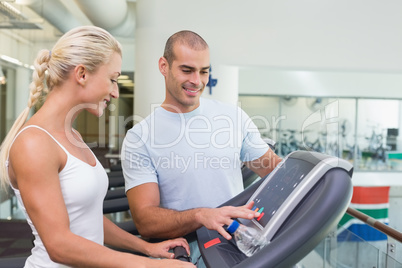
pixel 212 242
pixel 261 215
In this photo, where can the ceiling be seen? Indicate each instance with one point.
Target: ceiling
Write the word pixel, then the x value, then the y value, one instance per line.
pixel 44 21
pixel 37 21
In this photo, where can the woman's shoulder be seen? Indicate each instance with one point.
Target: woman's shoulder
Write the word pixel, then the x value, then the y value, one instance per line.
pixel 33 142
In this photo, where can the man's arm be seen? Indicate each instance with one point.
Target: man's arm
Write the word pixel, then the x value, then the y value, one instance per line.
pixel 265 164
pixel 156 222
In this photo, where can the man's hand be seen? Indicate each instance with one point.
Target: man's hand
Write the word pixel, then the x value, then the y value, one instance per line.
pixel 216 218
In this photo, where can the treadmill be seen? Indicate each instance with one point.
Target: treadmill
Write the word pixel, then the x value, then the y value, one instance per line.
pixel 300 202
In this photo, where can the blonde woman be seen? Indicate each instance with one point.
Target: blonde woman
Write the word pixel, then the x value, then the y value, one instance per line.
pixel 56 178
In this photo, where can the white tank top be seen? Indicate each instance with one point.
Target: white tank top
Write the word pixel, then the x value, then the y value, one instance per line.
pixel 84 188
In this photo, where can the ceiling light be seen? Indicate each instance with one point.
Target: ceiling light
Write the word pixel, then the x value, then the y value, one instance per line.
pixel 125 80
pixel 123 76
pixel 16 20
pixel 10 11
pixel 128 84
pixel 10 59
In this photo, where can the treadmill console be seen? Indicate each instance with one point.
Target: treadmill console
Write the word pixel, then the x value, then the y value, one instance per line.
pixel 286 186
pixel 299 202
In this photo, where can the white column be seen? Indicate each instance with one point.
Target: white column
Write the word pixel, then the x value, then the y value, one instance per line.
pixel 11 99
pixel 22 80
pixel 149 45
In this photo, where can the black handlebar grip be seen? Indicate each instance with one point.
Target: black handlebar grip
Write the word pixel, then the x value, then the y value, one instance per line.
pixel 180 253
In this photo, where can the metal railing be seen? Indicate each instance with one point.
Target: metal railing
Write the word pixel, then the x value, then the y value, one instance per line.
pixel 389 231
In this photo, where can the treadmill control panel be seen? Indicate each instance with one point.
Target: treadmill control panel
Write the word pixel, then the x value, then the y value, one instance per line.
pixel 285 181
pixel 286 186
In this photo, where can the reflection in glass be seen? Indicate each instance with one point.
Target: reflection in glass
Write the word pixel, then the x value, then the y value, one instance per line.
pixel 363 131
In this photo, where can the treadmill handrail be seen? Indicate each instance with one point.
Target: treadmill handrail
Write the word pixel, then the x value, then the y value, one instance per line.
pixel 383 228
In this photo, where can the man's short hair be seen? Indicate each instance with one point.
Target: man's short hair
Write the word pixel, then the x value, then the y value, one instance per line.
pixel 185 37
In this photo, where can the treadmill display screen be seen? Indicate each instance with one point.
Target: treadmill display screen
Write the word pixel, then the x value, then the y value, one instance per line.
pixel 278 188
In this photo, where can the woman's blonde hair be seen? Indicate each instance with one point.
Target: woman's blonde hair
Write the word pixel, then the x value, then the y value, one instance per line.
pixel 90 46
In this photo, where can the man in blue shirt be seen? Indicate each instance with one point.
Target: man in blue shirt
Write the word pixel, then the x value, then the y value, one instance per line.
pixel 184 159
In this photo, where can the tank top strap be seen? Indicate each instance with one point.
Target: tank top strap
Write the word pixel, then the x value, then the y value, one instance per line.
pixel 44 130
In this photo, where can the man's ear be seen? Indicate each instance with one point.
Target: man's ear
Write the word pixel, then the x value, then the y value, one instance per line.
pixel 163 66
pixel 80 74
